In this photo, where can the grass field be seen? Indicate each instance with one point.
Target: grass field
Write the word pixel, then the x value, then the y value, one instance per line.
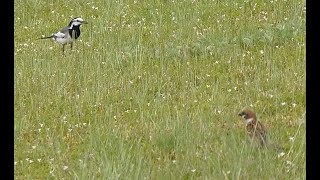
pixel 152 89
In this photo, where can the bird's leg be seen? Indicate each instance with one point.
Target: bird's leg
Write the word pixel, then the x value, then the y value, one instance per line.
pixel 71 45
pixel 63 49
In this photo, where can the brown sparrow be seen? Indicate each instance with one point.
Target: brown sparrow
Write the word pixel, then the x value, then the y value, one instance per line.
pixel 257 131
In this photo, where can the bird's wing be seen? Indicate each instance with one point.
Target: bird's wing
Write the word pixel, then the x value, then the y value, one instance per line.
pixel 262 127
pixel 62 33
pixel 59 35
pixel 262 131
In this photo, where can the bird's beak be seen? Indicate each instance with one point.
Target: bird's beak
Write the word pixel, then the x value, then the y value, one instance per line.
pixel 84 22
pixel 240 114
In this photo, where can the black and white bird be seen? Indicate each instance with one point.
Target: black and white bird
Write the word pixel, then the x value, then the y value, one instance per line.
pixel 69 33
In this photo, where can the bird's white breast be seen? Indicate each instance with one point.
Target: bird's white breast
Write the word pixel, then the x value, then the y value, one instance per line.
pixel 248 120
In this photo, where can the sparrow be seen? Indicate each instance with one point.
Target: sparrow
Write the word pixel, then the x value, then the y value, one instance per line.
pixel 256 131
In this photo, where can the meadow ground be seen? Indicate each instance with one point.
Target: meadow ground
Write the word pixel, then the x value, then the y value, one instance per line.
pixel 152 89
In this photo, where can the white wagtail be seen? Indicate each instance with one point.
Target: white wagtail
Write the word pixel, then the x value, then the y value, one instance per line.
pixel 69 33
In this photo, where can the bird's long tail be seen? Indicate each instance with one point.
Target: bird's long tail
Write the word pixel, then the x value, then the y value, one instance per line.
pixel 46 37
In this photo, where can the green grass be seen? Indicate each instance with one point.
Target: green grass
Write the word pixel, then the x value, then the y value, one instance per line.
pixel 152 89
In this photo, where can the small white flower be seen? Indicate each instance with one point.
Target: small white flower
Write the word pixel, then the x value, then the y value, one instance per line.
pixel 193 170
pixel 294 104
pixel 174 161
pixel 261 52
pixel 33 147
pixel 281 154
pixel 65 167
pixel 291 138
pixel 283 103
